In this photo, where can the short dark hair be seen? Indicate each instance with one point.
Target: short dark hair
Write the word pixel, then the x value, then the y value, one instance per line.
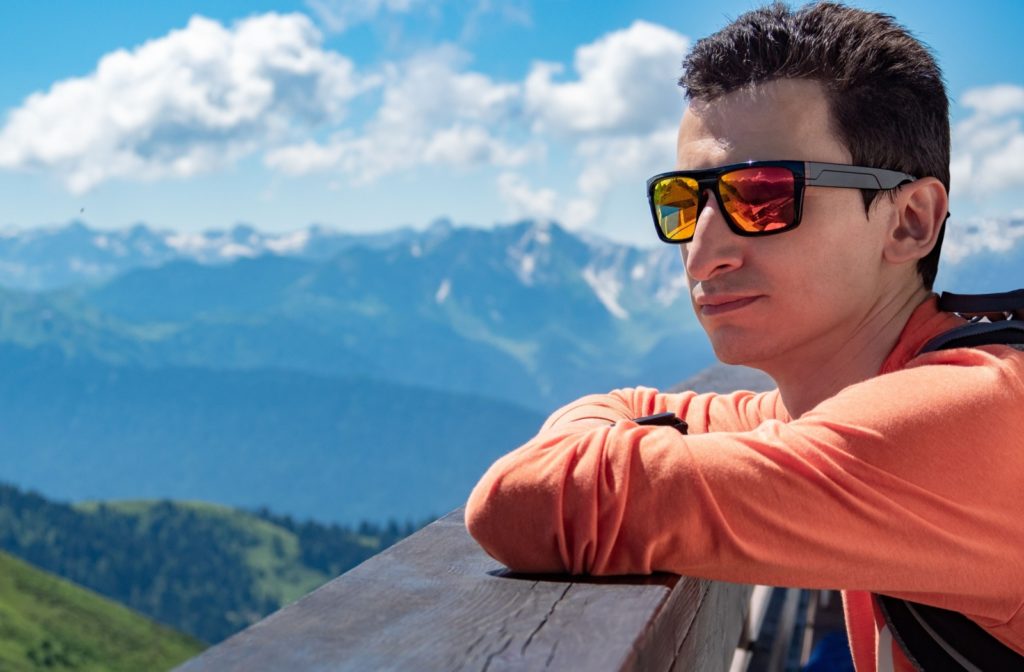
pixel 886 93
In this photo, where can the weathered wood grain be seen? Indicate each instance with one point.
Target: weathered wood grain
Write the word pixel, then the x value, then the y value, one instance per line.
pixel 711 640
pixel 436 601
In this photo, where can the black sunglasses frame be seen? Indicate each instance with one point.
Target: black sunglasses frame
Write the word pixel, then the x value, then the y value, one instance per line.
pixel 805 174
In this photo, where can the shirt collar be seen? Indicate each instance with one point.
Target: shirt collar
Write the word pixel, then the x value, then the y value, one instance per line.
pixel 925 323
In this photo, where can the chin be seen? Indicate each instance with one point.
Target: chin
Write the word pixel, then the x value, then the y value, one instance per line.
pixel 732 357
pixel 740 349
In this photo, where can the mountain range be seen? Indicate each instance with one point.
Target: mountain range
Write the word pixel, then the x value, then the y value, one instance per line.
pixel 50 257
pixel 62 255
pixel 529 313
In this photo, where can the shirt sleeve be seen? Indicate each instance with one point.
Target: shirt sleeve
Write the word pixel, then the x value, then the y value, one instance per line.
pixel 738 411
pixel 907 484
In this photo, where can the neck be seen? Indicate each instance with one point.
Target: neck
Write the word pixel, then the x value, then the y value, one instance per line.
pixel 811 374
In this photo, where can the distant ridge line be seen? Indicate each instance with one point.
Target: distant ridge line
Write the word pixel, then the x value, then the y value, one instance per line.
pixel 724 378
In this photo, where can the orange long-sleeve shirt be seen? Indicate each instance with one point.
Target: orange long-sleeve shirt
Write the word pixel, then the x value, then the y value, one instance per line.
pixel 910 484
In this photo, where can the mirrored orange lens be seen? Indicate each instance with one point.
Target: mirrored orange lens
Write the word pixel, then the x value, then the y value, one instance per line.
pixel 759 199
pixel 675 202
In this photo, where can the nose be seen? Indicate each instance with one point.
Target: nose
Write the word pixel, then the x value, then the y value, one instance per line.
pixel 714 249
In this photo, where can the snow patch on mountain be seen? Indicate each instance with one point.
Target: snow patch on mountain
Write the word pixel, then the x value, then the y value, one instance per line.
pixel 187 243
pixel 606 287
pixel 672 290
pixel 290 243
pixel 443 291
pixel 86 268
pixel 235 250
pixel 527 265
pixel 542 233
pixel 530 252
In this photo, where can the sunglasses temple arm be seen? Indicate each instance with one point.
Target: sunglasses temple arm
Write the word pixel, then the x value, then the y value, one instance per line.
pixel 838 175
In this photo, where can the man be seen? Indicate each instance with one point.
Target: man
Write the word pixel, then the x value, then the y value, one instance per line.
pixel 872 468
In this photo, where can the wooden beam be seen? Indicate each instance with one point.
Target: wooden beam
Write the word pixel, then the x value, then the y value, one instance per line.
pixel 436 601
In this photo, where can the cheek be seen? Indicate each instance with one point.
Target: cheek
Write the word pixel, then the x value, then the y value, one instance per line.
pixel 822 250
pixel 846 239
pixel 836 259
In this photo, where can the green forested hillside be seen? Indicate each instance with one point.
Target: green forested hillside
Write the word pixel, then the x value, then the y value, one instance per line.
pixel 47 623
pixel 206 570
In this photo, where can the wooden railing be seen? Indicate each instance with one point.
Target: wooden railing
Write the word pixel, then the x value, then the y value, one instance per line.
pixel 436 601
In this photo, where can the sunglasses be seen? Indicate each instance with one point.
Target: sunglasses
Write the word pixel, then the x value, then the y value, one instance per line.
pixel 757 198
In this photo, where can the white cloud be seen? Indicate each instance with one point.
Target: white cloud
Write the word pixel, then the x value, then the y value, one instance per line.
pixel 526 202
pixel 981 235
pixel 432 89
pixel 620 112
pixel 484 12
pixel 988 146
pixel 624 83
pixel 609 163
pixel 997 100
pixel 462 145
pixel 193 100
pixel 617 120
pixel 308 156
pixel 339 15
pixel 203 97
pixel 433 113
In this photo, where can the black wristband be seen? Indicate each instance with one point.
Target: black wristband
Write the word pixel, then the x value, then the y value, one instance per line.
pixel 663 420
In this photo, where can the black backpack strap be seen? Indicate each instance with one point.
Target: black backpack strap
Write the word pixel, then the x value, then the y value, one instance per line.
pixel 1007 332
pixel 931 637
pixel 939 639
pixel 1005 311
pixel 1011 303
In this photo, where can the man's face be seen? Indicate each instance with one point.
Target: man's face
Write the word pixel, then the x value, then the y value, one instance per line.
pixel 799 294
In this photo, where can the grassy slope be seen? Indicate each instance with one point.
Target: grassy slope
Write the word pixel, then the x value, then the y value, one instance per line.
pixel 49 623
pixel 274 556
pixel 203 569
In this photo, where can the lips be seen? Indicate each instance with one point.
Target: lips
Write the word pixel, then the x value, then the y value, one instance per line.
pixel 725 303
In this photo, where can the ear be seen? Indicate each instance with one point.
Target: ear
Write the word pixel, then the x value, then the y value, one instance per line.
pixel 920 212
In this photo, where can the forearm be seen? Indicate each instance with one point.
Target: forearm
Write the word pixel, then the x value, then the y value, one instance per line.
pixel 738 411
pixel 525 510
pixel 844 498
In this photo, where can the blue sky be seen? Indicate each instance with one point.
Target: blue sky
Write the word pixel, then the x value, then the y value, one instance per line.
pixel 379 113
